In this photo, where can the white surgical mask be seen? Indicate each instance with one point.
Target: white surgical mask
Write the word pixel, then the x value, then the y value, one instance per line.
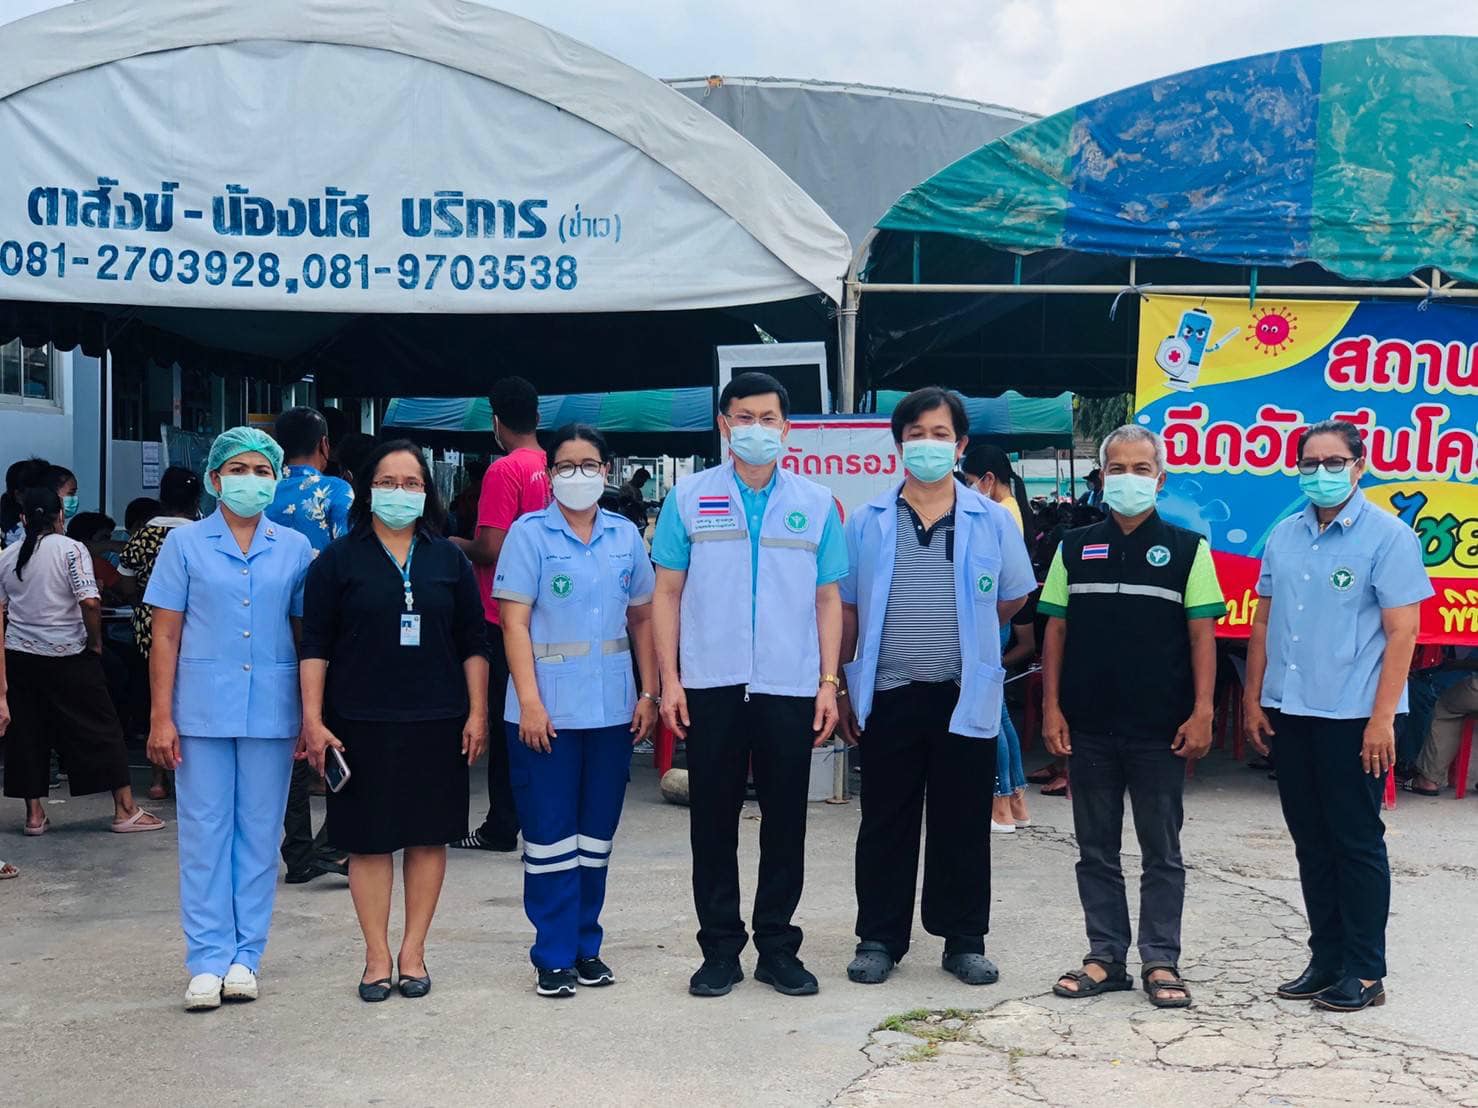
pixel 578 492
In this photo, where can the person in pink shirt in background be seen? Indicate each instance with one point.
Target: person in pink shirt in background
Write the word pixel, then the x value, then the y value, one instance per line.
pixel 513 486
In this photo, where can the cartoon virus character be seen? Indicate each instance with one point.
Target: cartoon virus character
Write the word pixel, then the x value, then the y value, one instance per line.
pixel 1180 354
pixel 1272 330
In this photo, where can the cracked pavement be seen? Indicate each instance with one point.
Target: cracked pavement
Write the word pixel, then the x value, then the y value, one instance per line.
pixel 1238 1046
pixel 91 981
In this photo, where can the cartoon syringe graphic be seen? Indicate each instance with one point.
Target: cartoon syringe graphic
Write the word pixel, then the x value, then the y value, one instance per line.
pixel 1180 354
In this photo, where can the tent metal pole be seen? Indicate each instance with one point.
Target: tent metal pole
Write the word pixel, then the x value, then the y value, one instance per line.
pixel 105 419
pixel 1337 291
pixel 847 373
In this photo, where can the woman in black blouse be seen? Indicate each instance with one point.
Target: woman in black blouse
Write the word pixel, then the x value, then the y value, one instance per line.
pixel 395 678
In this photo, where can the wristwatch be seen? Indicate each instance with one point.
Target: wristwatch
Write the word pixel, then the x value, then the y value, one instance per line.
pixel 831 679
pixel 657 700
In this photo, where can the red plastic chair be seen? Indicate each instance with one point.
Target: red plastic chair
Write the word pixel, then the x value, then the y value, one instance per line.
pixel 1457 775
pixel 664 742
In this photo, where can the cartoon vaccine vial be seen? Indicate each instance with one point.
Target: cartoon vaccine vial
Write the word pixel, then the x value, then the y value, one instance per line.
pixel 1180 354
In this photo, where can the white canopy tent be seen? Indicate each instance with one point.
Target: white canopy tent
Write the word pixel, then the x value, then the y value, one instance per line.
pixel 396 196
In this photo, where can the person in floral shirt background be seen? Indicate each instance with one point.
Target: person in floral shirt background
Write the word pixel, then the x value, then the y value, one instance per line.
pixel 316 506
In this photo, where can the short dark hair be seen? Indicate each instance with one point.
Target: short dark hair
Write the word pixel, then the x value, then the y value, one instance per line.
pixel 28 473
pixel 641 475
pixel 753 383
pixel 515 402
pixel 1341 427
pixel 351 453
pixel 140 509
pixel 572 432
pixel 84 525
pixel 433 516
pixel 179 490
pixel 299 431
pixel 57 476
pixel 926 399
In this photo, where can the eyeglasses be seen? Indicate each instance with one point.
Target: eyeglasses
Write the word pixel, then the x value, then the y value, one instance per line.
pixel 410 484
pixel 1309 466
pixel 744 419
pixel 586 468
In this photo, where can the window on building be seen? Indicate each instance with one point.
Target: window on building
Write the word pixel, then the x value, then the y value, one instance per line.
pixel 27 374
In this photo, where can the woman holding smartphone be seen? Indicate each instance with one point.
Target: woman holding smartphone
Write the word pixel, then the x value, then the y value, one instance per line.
pixel 574 587
pixel 394 680
pixel 227 593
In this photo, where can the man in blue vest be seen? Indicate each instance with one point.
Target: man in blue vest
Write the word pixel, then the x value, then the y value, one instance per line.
pixel 936 570
pixel 752 682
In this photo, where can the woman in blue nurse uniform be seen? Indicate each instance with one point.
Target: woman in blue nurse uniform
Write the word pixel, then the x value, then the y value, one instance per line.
pixel 574 587
pixel 227 593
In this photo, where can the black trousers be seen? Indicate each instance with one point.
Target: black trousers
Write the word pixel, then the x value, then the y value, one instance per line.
pixel 1101 768
pixel 501 824
pixel 300 847
pixel 61 704
pixel 1332 808
pixel 911 757
pixel 729 734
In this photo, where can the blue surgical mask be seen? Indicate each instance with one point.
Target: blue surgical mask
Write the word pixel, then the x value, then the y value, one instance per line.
pixel 756 444
pixel 1129 494
pixel 1325 489
pixel 69 506
pixel 929 460
pixel 397 508
pixel 246 494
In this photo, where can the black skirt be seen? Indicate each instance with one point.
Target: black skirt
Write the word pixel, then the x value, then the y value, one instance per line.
pixel 407 786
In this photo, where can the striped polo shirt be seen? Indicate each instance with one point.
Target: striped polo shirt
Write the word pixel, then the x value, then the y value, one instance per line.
pixel 921 630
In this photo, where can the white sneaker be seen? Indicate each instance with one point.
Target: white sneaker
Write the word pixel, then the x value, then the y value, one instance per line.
pixel 204 992
pixel 1002 828
pixel 240 984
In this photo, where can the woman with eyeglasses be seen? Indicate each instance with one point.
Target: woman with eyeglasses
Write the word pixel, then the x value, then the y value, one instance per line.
pixel 1340 596
pixel 394 680
pixel 574 588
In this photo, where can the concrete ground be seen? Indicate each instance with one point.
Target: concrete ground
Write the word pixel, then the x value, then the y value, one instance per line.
pixel 91 983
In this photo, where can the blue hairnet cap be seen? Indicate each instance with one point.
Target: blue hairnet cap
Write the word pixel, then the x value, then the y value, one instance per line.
pixel 244 440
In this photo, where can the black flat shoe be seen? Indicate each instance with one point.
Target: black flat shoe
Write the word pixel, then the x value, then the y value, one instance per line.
pixel 372 992
pixel 785 974
pixel 415 987
pixel 1308 984
pixel 1351 996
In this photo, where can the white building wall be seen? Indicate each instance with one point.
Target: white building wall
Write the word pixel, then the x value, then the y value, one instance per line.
pixel 34 429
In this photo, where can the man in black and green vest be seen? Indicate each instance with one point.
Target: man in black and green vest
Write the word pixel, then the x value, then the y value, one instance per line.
pixel 1128 676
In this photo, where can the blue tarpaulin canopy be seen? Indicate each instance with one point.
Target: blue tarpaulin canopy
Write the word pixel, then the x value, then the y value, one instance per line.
pixel 1327 165
pixel 680 421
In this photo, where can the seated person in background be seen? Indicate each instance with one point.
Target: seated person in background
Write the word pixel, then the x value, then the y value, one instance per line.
pixel 1458 700
pixel 139 511
pixel 95 531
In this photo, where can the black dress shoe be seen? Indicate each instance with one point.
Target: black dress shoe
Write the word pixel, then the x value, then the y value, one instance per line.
pixel 785 974
pixel 715 977
pixel 302 876
pixel 1351 996
pixel 416 987
pixel 1308 984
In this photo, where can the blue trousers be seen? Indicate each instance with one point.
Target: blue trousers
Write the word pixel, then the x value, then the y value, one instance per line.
pixel 569 803
pixel 230 798
pixel 1010 772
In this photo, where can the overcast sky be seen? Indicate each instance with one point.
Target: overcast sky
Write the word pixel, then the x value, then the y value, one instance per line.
pixel 1040 55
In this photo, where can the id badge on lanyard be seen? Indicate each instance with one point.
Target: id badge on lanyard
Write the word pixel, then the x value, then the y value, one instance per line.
pixel 410 620
pixel 410 628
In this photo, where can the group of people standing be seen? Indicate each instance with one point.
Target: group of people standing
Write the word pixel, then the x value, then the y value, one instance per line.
pixel 304 623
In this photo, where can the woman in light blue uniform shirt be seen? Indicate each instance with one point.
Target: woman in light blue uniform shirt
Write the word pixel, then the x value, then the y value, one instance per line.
pixel 574 587
pixel 227 594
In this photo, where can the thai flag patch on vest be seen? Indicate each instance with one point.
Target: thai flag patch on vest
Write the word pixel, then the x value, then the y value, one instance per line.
pixel 713 505
pixel 1095 552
